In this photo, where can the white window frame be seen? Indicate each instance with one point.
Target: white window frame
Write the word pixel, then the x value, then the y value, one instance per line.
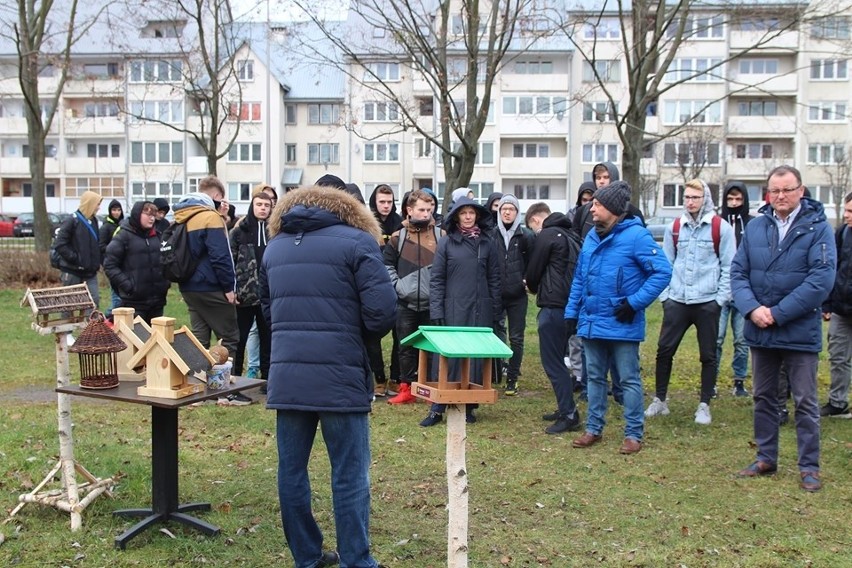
pixel 381 152
pixel 156 188
pixel 531 150
pixel 423 148
pixel 827 111
pixel 290 153
pixel 170 112
pixel 385 71
pixel 532 67
pixel 609 71
pixel 174 149
pixel 236 110
pixel 753 151
pixel 685 112
pixel 826 154
pixel 245 152
pixel 156 71
pixel 829 70
pixel 531 189
pixel 529 105
pixel 598 111
pixel 319 150
pixel 323 113
pixel 376 111
pixel 688 149
pixel 245 70
pixel 766 108
pixel 758 66
pixel 695 70
pixel 832 27
pixel 240 190
pixel 603 29
pixel 678 189
pixel 597 152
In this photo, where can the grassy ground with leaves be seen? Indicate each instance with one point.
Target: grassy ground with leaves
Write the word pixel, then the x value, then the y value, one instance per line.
pixel 534 501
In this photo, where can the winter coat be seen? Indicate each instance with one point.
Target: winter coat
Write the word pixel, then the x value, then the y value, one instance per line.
pixel 513 257
pixel 552 262
pixel 792 278
pixel 110 226
pixel 737 217
pixel 77 241
pixel 208 240
pixel 389 224
pixel 699 275
pixel 626 264
pixel 248 243
pixel 132 264
pixel 323 286
pixel 410 266
pixel 464 289
pixel 840 300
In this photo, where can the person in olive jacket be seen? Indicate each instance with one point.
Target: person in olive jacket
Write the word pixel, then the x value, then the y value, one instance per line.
pixel 132 263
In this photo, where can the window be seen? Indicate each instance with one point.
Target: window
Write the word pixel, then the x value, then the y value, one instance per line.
pixel 529 105
pixel 695 112
pixel 244 152
pixel 49 189
pixel 753 66
pixel 381 112
pixel 754 151
pixel 485 155
pixel 323 153
pixel 240 190
pixel 156 71
pixel 95 110
pixel 608 70
pixel 530 150
pixel 836 27
pixel 422 148
pixel 247 112
pixel 695 153
pixel 100 70
pixel 523 67
pixel 290 153
pixel 828 69
pixel 481 191
pixel 156 152
pixel 323 113
pixel 170 112
pixel 381 152
pixel 103 151
pixel 596 153
pixel 602 28
pixel 757 24
pixel 695 69
pixel 107 186
pixel 599 111
pixel 245 70
pixel 532 190
pixel 672 195
pixel 427 106
pixel 290 114
pixel 156 188
pixel 758 108
pixel 700 27
pixel 826 154
pixel 827 111
pixel 381 72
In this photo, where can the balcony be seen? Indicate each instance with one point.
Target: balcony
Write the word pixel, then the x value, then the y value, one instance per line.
pixel 21 167
pixel 95 166
pixel 648 167
pixel 423 167
pixel 765 41
pixel 16 126
pixel 761 126
pixel 765 85
pixel 96 126
pixel 746 168
pixel 196 165
pixel 534 83
pixel 534 126
pixel 534 167
pixel 98 87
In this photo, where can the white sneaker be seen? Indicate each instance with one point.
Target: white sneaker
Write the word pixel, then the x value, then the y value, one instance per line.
pixel 657 407
pixel 702 415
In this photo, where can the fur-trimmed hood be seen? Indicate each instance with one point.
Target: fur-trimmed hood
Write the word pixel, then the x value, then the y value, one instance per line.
pixel 314 207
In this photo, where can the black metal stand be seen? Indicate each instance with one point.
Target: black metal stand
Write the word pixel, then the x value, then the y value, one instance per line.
pixel 164 483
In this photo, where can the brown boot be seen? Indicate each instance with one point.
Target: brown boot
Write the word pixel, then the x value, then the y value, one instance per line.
pixel 587 440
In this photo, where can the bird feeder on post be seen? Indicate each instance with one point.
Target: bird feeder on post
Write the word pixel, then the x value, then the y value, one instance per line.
pixel 461 345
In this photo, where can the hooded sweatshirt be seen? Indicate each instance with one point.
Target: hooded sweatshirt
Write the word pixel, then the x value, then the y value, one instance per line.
pixel 391 223
pixel 585 187
pixel 110 225
pixel 737 217
pixel 77 242
pixel 490 202
pixel 582 222
pixel 248 243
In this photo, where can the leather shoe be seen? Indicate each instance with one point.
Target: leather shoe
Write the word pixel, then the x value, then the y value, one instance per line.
pixel 810 481
pixel 757 469
pixel 630 446
pixel 329 558
pixel 587 440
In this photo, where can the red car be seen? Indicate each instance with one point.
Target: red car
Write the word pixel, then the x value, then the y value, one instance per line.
pixel 6 225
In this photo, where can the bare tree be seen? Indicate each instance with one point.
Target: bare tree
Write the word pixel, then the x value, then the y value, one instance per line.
pixel 838 172
pixel 457 49
pixel 651 34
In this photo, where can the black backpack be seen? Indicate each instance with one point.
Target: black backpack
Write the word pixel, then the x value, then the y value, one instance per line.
pixel 176 260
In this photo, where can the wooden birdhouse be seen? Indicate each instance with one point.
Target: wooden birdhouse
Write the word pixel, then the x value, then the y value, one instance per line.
pixel 170 356
pixel 53 307
pixel 97 347
pixel 461 344
pixel 135 332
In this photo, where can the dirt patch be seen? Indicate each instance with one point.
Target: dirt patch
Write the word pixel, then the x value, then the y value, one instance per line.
pixel 37 394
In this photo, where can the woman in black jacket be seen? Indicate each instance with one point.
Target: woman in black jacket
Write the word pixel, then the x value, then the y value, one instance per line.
pixel 132 263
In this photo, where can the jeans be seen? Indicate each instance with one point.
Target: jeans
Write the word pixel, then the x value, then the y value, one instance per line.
pixel 616 390
pixel 739 364
pixel 802 370
pixel 553 338
pixel 347 439
pixel 840 358
pixel 516 314
pixel 677 318
pixel 253 348
pixel 601 355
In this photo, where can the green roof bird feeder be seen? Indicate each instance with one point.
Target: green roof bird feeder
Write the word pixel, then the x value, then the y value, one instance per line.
pixel 463 343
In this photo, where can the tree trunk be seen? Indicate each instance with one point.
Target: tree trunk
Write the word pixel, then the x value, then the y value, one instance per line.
pixel 633 138
pixel 456 487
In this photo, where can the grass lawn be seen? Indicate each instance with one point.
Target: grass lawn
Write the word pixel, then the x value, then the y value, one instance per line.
pixel 534 501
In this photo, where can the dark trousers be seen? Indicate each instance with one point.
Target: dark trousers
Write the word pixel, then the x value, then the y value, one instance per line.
pixel 407 322
pixel 245 318
pixel 516 316
pixel 211 312
pixel 552 340
pixel 146 314
pixel 377 361
pixel 677 318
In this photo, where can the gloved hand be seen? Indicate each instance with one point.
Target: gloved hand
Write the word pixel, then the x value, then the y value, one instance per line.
pixel 571 326
pixel 438 321
pixel 625 313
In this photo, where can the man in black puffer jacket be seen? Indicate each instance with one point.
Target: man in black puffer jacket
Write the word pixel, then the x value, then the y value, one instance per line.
pixel 549 275
pixel 132 263
pixel 78 247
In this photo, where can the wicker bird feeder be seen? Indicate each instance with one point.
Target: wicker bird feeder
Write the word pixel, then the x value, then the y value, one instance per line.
pixel 97 346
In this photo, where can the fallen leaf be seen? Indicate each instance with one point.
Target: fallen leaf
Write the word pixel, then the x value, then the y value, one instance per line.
pixel 505 560
pixel 224 508
pixel 167 532
pixel 79 556
pixel 539 506
pixel 684 531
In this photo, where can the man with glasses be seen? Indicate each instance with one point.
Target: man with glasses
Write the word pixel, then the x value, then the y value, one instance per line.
pixel 781 275
pixel 700 286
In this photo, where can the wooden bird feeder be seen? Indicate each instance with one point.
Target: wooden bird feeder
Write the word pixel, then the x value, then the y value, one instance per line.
pixel 464 344
pixel 135 332
pixel 170 356
pixel 97 347
pixel 54 307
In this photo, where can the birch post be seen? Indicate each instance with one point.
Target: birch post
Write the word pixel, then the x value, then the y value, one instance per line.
pixel 456 487
pixel 66 437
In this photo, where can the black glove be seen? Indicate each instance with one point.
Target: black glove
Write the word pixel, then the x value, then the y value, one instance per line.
pixel 438 321
pixel 571 326
pixel 625 313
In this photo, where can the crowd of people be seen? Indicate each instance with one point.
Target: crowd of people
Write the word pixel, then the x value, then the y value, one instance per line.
pixel 304 290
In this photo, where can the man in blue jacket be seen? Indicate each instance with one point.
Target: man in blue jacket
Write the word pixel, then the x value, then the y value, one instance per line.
pixel 781 275
pixel 621 272
pixel 323 287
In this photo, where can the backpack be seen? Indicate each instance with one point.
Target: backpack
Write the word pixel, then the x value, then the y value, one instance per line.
pixel 715 232
pixel 177 262
pixel 55 257
pixel 403 233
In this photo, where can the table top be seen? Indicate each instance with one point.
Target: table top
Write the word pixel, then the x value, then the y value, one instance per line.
pixel 126 392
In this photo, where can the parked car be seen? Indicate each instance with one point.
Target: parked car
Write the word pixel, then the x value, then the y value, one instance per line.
pixel 23 226
pixel 6 226
pixel 657 226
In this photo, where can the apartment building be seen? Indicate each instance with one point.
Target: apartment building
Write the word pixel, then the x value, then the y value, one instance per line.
pixel 126 117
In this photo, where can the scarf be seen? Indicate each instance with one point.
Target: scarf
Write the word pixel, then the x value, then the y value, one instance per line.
pixel 472 232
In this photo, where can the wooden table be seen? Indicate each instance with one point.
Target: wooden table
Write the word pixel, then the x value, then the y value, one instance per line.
pixel 164 455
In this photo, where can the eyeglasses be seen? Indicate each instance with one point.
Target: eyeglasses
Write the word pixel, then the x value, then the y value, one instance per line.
pixel 785 191
pixel 693 197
